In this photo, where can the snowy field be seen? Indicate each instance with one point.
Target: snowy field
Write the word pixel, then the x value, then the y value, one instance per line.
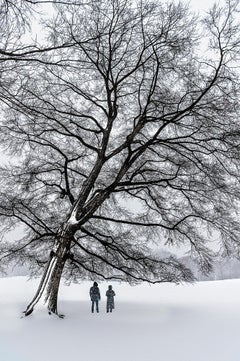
pixel 165 322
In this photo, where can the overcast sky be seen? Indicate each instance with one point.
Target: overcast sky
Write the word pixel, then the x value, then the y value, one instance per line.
pixel 203 5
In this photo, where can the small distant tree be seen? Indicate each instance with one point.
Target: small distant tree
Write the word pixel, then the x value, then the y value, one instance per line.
pixel 125 137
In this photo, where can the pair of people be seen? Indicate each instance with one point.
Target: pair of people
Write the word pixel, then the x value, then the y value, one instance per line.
pixel 95 297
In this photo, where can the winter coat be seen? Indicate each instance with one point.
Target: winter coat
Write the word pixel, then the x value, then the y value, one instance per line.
pixel 110 298
pixel 95 293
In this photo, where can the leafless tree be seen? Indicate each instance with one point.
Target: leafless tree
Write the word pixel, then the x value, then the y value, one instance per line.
pixel 127 138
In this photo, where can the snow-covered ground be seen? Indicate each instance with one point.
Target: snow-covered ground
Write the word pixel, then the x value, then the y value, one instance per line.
pixel 164 322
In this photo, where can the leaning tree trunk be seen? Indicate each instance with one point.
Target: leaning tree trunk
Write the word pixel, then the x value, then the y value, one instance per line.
pixel 53 285
pixel 50 281
pixel 52 275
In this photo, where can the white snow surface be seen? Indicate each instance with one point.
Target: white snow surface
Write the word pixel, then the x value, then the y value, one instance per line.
pixel 199 322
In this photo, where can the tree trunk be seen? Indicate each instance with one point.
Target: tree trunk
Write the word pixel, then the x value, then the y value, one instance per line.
pixel 51 278
pixel 53 286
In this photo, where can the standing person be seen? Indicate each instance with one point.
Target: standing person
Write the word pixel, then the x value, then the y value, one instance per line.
pixel 95 296
pixel 110 299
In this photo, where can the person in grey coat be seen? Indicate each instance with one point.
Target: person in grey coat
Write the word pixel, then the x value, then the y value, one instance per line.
pixel 110 299
pixel 95 296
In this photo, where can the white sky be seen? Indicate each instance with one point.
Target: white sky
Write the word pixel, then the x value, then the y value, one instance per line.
pixel 204 5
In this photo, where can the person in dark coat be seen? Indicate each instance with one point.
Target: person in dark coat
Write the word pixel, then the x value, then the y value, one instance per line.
pixel 110 299
pixel 95 296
